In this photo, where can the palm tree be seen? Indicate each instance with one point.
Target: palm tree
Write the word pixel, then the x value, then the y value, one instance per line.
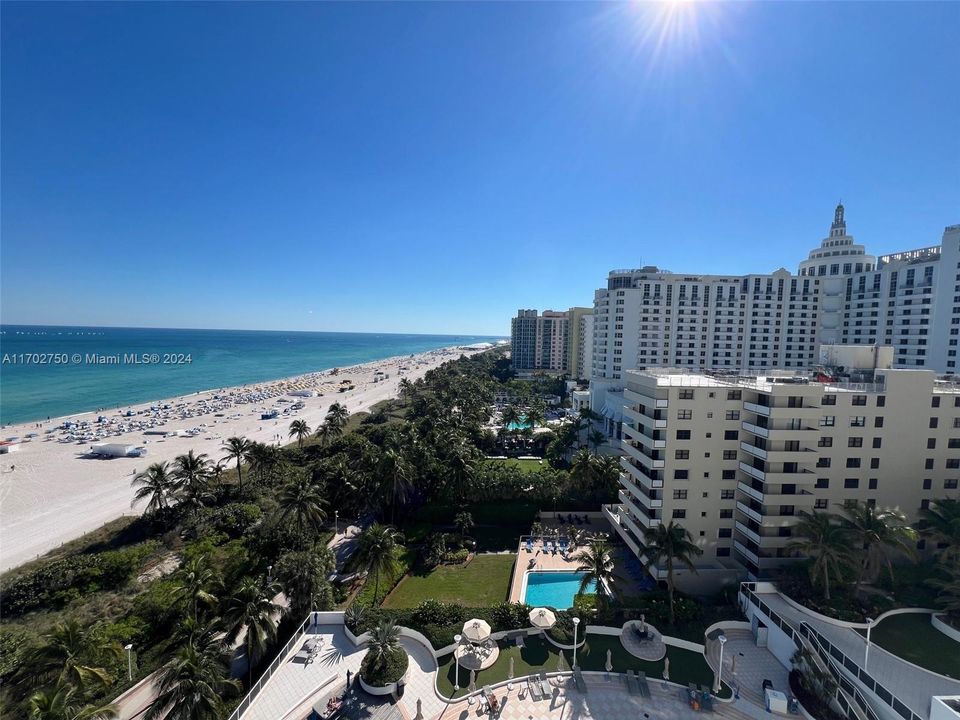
pixel 595 563
pixel 69 653
pixel 192 475
pixel 325 434
pixel 943 528
pixel 384 640
pixel 193 684
pixel 393 466
pixel 337 416
pixel 596 439
pixel 827 542
pixel 463 522
pixel 303 576
pixel 582 468
pixel 533 416
pixel 264 459
pixel 669 543
pixel 238 449
pixel 881 534
pixel 949 595
pixel 251 610
pixel 511 416
pixel 196 584
pixel 65 702
pixel 155 483
pixel 376 550
pixel 586 420
pixel 405 389
pixel 302 500
pixel 300 430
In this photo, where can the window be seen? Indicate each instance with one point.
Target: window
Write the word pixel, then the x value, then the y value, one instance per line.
pixel 931 443
pixel 683 434
pixel 723 552
pixel 727 494
pixel 729 454
pixel 953 443
pixel 928 464
pixel 874 463
pixel 935 401
pixel 725 532
pixel 733 395
pixel 823 483
pixel 732 415
pixel 927 483
pixel 679 494
pixel 820 504
pixel 825 442
pixel 855 442
pixel 681 455
pixel 881 400
pixel 679 514
pixel 684 414
pixel 872 484
pixel 877 442
pixel 685 395
pixel 950 484
pixel 933 422
pixel 829 400
pixel 857 421
pixel 853 462
pixel 851 483
pixel 828 421
pixel 681 474
pixel 953 464
pixel 726 514
pixel 731 434
pixel 728 474
pixel 858 400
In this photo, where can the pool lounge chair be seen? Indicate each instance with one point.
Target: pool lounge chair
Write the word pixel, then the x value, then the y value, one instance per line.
pixel 632 686
pixel 534 688
pixel 642 683
pixel 548 547
pixel 529 545
pixel 544 684
pixel 563 547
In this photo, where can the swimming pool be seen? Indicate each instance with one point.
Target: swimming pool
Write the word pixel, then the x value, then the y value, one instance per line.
pixel 554 589
pixel 520 425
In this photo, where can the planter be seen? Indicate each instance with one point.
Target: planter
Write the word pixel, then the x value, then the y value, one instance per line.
pixel 388 689
pixel 580 641
pixel 943 626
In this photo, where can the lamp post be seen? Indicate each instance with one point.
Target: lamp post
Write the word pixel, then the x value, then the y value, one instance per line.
pixel 129 648
pixel 456 663
pixel 576 622
pixel 723 641
pixel 866 652
pixel 269 574
pixel 336 521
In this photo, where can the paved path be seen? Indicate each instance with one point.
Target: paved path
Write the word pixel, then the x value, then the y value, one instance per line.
pixel 911 684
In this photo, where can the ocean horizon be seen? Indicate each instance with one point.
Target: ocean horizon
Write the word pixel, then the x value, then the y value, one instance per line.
pixel 53 371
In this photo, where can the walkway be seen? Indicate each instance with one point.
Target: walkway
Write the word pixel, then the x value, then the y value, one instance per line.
pixel 914 686
pixel 746 666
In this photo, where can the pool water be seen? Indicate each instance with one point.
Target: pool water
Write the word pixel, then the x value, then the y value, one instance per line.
pixel 554 589
pixel 519 426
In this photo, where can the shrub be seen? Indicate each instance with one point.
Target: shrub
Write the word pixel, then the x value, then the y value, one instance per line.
pixel 510 616
pixel 812 703
pixel 380 673
pixel 456 557
pixel 434 612
pixel 562 631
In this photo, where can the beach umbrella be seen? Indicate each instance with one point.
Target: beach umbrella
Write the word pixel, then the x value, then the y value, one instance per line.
pixel 643 623
pixel 609 661
pixel 542 618
pixel 473 681
pixel 476 630
pixel 666 668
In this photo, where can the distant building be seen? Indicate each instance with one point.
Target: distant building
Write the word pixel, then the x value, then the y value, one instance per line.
pixel 580 343
pixel 539 342
pixel 909 301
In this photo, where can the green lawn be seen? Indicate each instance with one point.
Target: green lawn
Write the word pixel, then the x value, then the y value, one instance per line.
pixel 527 466
pixel 483 582
pixel 685 666
pixel 912 637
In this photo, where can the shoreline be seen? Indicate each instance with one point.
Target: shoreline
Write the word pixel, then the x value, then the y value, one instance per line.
pixel 51 491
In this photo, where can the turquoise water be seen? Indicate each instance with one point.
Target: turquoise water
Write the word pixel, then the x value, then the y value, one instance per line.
pixel 554 589
pixel 217 359
pixel 518 426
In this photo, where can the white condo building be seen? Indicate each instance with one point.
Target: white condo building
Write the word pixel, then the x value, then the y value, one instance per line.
pixel 841 295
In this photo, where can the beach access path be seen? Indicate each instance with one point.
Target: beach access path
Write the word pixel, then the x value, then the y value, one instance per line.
pixel 50 493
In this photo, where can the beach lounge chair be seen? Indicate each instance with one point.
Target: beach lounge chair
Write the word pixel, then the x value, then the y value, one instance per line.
pixel 642 684
pixel 529 545
pixel 544 684
pixel 632 686
pixel 548 547
pixel 519 641
pixel 534 689
pixel 492 702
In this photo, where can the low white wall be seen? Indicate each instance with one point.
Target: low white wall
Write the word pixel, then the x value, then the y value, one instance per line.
pixel 685 644
pixel 728 625
pixel 943 627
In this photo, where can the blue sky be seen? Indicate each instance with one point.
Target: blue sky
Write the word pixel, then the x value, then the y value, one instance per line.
pixel 433 167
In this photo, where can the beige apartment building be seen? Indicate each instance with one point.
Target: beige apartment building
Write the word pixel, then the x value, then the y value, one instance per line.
pixel 735 458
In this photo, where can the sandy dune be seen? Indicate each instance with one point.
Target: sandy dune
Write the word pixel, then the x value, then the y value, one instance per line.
pixel 55 494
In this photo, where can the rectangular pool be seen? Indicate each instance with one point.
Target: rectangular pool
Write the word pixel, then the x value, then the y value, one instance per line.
pixel 554 589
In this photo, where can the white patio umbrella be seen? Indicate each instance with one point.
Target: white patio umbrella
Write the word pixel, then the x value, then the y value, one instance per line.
pixel 542 618
pixel 666 668
pixel 473 681
pixel 609 661
pixel 476 630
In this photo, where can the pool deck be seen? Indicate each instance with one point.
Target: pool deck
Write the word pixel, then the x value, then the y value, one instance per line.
pixel 545 561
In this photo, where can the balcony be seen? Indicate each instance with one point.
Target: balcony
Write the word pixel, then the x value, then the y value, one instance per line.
pixel 642 437
pixel 754 450
pixel 743 550
pixel 637 524
pixel 749 512
pixel 637 474
pixel 755 494
pixel 755 429
pixel 747 532
pixel 641 457
pixel 758 409
pixel 753 472
pixel 641 497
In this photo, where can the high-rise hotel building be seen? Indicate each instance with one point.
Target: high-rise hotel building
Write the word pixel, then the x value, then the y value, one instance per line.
pixel 841 295
pixel 734 458
pixel 555 341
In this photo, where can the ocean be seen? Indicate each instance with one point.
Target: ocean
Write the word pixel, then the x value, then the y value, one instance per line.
pixel 49 371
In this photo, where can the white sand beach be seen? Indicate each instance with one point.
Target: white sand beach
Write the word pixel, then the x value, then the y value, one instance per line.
pixel 51 491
